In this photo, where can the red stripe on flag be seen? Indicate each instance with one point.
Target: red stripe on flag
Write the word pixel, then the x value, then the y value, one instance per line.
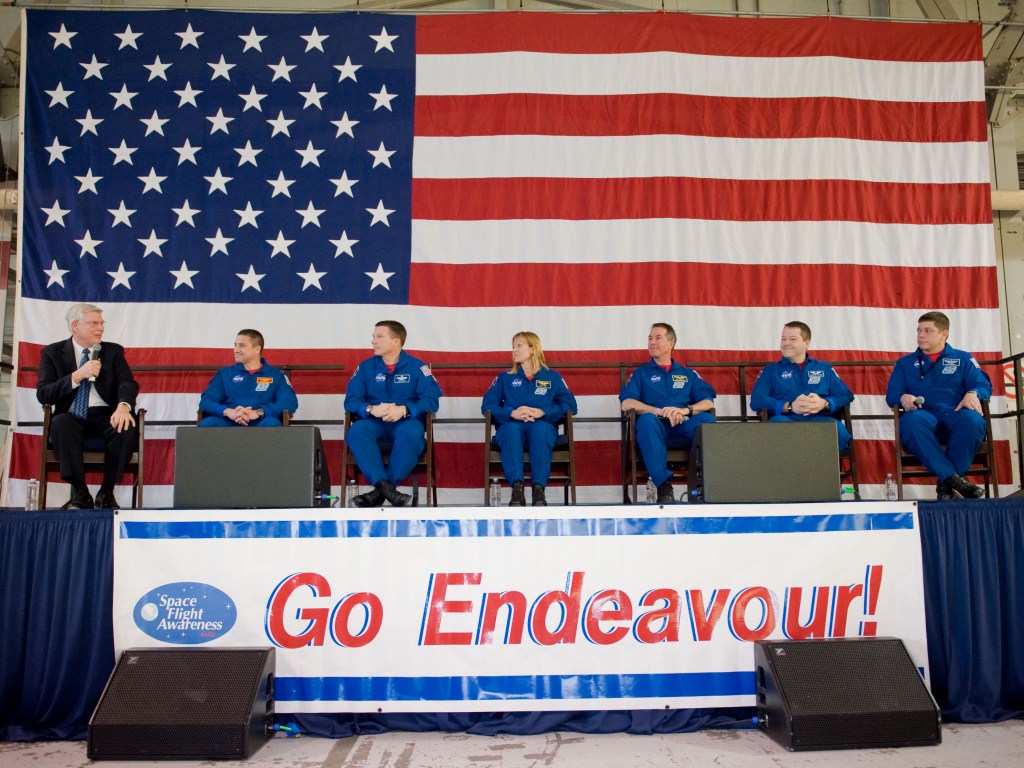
pixel 698 283
pixel 719 36
pixel 692 198
pixel 693 115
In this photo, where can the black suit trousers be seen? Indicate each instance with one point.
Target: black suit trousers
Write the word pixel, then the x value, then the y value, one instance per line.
pixel 68 436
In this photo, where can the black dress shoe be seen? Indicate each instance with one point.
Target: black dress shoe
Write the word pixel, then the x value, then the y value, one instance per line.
pixel 394 496
pixel 106 500
pixel 539 500
pixel 964 488
pixel 372 498
pixel 666 494
pixel 79 500
pixel 518 495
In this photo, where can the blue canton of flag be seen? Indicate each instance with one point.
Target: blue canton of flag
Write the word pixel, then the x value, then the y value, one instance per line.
pixel 218 157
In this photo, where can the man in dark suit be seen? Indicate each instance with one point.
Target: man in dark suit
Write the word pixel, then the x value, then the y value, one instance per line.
pixel 92 391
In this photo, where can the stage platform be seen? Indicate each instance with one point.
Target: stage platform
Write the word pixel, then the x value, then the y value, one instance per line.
pixel 57 636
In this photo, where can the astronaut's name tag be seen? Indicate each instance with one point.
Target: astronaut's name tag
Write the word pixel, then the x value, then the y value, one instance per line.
pixel 263 383
pixel 402 378
pixel 950 369
pixel 814 377
pixel 542 387
pixel 679 380
pixel 950 364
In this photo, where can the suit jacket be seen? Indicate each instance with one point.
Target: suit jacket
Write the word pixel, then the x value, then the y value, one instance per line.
pixel 115 383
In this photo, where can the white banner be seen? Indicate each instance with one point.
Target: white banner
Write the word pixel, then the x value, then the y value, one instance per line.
pixel 475 610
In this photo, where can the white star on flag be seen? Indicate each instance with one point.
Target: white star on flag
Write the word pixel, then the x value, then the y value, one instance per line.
pixel 88 182
pixel 310 215
pixel 280 245
pixel 127 38
pixel 187 95
pixel 55 273
pixel 309 155
pixel 186 153
pixel 383 99
pixel 152 244
pixel 344 245
pixel 220 121
pixel 311 277
pixel 280 185
pixel 347 70
pixel 157 69
pixel 186 214
pixel 252 41
pixel 152 181
pixel 380 277
pixel 282 70
pixel 250 279
pixel 247 154
pixel 184 275
pixel 280 125
pixel 89 123
pixel 219 244
pixel 189 37
pixel 154 124
pixel 383 40
pixel 314 40
pixel 248 216
pixel 88 245
pixel 221 69
pixel 123 153
pixel 343 185
pixel 63 37
pixel 381 156
pixel 380 214
pixel 56 151
pixel 344 125
pixel 218 181
pixel 312 97
pixel 93 68
pixel 55 214
pixel 123 98
pixel 122 215
pixel 59 95
pixel 252 99
pixel 121 277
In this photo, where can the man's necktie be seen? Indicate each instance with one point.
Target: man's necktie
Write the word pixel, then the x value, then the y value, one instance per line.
pixel 80 408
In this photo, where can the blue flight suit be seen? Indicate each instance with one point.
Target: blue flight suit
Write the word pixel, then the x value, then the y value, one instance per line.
pixel 784 381
pixel 233 386
pixel 545 390
pixel 679 387
pixel 943 385
pixel 410 384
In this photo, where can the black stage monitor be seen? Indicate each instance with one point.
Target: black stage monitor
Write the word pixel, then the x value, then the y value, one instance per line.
pixel 249 468
pixel 770 462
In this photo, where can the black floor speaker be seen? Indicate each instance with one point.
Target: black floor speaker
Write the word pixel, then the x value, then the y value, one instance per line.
pixel 185 704
pixel 250 468
pixel 770 462
pixel 843 694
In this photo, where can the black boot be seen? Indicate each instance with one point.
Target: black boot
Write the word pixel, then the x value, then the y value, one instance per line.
pixel 963 488
pixel 372 498
pixel 538 496
pixel 394 496
pixel 666 494
pixel 518 495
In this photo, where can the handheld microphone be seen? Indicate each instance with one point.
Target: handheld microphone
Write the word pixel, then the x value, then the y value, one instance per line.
pixel 918 401
pixel 95 354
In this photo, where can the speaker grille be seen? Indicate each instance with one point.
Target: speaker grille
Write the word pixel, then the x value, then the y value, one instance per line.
pixel 184 703
pixel 834 694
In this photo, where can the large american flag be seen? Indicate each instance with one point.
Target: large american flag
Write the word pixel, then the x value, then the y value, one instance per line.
pixel 581 176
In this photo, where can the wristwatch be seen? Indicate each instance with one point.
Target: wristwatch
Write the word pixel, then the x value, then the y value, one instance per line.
pixel 260 413
pixel 787 408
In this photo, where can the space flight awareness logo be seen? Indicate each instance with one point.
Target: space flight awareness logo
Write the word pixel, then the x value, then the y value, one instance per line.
pixel 185 613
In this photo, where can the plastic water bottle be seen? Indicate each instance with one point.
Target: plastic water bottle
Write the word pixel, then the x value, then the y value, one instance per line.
pixel 32 496
pixel 351 493
pixel 651 492
pixel 890 488
pixel 494 493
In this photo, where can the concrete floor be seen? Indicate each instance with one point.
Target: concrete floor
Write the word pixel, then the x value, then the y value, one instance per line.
pixel 999 745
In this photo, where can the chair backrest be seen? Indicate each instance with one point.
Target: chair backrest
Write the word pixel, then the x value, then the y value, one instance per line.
pixel 984 464
pixel 425 465
pixel 93 459
pixel 563 458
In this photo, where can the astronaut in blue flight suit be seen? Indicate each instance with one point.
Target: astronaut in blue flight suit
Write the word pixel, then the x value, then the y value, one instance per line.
pixel 249 393
pixel 800 388
pixel 526 403
pixel 670 401
pixel 391 393
pixel 952 386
